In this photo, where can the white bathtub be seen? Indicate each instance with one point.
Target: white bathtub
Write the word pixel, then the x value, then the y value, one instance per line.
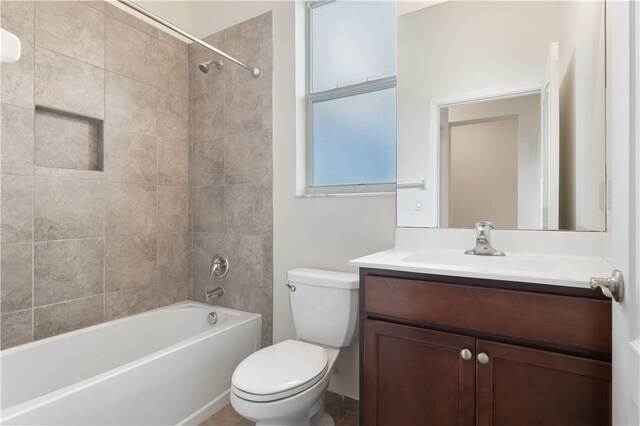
pixel 162 367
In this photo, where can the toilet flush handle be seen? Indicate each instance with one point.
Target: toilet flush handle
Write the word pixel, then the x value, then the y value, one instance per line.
pixel 292 288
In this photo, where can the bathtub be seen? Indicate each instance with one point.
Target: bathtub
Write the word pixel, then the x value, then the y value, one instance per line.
pixel 161 367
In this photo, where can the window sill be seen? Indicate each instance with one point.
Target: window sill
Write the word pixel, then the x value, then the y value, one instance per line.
pixel 348 194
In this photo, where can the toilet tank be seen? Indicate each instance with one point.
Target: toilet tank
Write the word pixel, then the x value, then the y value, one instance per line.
pixel 324 305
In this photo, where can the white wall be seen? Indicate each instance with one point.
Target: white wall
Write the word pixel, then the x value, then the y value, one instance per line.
pixel 318 232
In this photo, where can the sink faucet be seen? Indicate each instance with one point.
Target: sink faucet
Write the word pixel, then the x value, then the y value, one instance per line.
pixel 483 240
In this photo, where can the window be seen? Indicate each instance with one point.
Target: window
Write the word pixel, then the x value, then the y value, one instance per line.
pixel 351 97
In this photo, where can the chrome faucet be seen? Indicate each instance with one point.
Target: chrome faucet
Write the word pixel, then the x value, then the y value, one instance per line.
pixel 214 294
pixel 483 240
pixel 219 266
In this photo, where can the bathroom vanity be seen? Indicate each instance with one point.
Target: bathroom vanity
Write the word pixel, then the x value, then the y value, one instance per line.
pixel 439 349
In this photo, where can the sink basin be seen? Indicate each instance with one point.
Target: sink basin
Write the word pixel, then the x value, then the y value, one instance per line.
pixel 508 262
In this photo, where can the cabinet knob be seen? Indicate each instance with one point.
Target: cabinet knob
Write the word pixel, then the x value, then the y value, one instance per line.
pixel 466 354
pixel 483 358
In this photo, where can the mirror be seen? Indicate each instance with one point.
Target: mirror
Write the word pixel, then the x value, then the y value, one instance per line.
pixel 501 115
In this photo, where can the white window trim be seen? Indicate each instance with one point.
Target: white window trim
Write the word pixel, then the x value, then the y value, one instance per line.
pixel 337 93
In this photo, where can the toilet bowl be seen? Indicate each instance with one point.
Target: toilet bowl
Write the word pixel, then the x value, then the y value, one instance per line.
pixel 285 384
pixel 290 396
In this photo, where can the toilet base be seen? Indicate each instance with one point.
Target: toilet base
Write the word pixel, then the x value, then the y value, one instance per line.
pixel 326 420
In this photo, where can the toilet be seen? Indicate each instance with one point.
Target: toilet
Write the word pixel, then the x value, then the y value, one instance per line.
pixel 284 384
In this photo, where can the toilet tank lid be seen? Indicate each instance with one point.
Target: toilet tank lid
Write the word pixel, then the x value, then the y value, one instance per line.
pixel 323 278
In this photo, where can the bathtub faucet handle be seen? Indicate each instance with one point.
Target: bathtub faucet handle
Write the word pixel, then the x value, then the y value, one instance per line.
pixel 219 266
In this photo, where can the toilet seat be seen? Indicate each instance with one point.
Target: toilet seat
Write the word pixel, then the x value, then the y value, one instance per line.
pixel 279 371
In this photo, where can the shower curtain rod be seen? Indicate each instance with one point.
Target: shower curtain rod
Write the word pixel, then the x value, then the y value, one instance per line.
pixel 254 70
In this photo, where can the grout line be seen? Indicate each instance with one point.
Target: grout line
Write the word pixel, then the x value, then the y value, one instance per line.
pixel 70 300
pixel 33 190
pixel 104 168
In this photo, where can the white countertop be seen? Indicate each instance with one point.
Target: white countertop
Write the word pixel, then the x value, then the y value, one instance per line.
pixel 559 270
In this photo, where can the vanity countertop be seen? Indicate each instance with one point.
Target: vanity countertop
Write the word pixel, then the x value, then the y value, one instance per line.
pixel 566 271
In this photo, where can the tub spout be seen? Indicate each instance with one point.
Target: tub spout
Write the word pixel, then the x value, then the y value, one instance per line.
pixel 214 294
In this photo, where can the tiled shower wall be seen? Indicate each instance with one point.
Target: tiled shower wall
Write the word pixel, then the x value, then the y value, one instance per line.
pixel 231 208
pixel 83 246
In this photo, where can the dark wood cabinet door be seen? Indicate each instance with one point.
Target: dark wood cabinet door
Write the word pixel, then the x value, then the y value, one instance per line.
pixel 414 376
pixel 522 386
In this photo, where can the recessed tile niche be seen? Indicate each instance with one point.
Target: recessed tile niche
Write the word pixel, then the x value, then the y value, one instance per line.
pixel 67 140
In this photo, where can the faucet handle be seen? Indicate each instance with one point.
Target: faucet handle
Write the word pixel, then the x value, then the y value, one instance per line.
pixel 219 266
pixel 485 223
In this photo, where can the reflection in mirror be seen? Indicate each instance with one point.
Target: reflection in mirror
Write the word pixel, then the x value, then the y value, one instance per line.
pixel 501 108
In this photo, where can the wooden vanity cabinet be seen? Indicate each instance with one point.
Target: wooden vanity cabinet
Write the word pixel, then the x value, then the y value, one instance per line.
pixel 454 351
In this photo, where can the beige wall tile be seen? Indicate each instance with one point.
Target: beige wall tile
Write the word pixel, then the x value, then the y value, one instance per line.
pixel 132 209
pixel 129 157
pixel 241 163
pixel 173 268
pixel 207 115
pixel 267 261
pixel 252 299
pixel 204 247
pixel 67 270
pixel 249 209
pixel 66 142
pixel 130 262
pixel 72 28
pixel 243 107
pixel 266 97
pixel 98 5
pixel 68 173
pixel 245 253
pixel 171 38
pixel 16 82
pixel 173 117
pixel 207 209
pixel 67 316
pixel 17 140
pixel 67 208
pixel 16 329
pixel 173 209
pixel 131 52
pixel 267 45
pixel 173 66
pixel 17 209
pixel 18 18
pixel 173 161
pixel 207 163
pixel 130 105
pixel 246 45
pixel 129 301
pixel 199 82
pixel 68 84
pixel 131 20
pixel 17 264
pixel 248 158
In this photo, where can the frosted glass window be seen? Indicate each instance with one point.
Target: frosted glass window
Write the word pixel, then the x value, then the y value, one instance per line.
pixel 354 139
pixel 352 42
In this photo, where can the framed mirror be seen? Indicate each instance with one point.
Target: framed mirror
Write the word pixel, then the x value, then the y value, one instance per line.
pixel 502 115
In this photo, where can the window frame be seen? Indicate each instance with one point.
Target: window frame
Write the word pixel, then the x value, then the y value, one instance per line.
pixel 332 94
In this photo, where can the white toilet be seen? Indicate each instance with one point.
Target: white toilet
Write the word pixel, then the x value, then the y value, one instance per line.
pixel 285 384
